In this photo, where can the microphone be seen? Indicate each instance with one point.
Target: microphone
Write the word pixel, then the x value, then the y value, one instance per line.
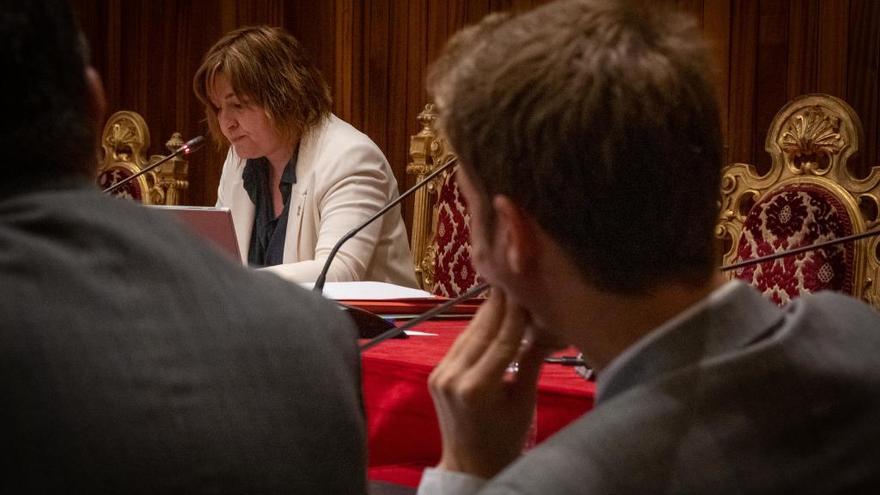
pixel 802 249
pixel 579 362
pixel 188 147
pixel 368 324
pixel 322 278
pixel 427 315
pixel 394 332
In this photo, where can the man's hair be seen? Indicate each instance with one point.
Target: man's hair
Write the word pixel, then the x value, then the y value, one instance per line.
pixel 46 133
pixel 600 121
pixel 267 67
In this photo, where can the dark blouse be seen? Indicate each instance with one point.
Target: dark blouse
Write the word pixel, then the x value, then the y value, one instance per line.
pixel 267 236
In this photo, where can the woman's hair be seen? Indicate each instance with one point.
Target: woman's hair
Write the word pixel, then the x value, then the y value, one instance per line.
pixel 267 67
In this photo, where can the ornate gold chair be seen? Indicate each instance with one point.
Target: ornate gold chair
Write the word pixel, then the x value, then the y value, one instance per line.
pixel 808 196
pixel 440 237
pixel 124 140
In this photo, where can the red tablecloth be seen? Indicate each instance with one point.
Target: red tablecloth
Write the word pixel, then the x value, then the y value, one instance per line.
pixel 402 426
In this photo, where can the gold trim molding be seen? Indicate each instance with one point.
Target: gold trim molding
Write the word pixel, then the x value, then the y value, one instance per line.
pixel 124 140
pixel 427 151
pixel 809 142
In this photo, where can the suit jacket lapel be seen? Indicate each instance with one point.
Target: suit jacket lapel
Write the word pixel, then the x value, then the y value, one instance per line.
pixel 242 213
pixel 306 164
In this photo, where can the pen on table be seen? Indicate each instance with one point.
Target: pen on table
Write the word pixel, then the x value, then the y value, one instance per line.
pixel 566 361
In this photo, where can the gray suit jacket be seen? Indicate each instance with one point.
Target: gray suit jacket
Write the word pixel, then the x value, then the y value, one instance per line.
pixel 741 397
pixel 134 359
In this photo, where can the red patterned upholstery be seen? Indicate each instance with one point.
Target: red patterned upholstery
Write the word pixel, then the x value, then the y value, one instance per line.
pixel 807 196
pixel 795 216
pixel 439 232
pixel 114 174
pixel 453 272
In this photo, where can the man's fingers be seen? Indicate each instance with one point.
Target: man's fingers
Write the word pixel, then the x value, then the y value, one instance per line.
pixel 479 333
pixel 455 377
pixel 530 362
pixel 481 421
pixel 506 346
pixel 474 369
pixel 477 373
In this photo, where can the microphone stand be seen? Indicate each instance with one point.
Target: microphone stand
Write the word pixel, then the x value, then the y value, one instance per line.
pixel 577 361
pixel 190 146
pixel 370 325
pixel 427 315
pixel 802 249
pixel 322 278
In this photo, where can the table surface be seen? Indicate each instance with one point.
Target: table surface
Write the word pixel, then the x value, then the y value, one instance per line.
pixel 402 426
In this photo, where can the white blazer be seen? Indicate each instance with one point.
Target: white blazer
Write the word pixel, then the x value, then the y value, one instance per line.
pixel 341 179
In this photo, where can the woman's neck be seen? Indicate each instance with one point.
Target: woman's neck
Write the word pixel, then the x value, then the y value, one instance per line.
pixel 278 160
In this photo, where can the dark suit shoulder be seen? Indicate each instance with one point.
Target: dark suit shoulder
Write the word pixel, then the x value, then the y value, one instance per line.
pixel 145 362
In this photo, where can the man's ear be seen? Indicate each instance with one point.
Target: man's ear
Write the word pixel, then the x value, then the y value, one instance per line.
pixel 516 234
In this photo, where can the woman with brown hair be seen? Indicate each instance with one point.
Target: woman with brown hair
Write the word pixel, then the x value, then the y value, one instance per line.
pixel 296 177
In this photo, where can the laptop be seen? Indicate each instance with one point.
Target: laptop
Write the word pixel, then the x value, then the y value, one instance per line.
pixel 209 222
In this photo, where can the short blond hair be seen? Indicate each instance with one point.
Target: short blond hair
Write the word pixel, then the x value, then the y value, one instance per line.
pixel 270 68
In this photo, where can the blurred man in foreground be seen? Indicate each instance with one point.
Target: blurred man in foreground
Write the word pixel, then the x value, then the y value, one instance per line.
pixel 134 359
pixel 590 147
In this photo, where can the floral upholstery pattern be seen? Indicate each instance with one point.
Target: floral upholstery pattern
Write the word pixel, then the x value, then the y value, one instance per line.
pixel 453 272
pixel 792 217
pixel 114 174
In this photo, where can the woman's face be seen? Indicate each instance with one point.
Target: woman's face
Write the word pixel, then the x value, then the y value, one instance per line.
pixel 246 125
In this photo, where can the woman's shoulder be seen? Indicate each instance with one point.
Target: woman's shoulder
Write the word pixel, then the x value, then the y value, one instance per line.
pixel 335 134
pixel 339 143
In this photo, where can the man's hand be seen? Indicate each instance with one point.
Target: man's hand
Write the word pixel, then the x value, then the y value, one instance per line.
pixel 484 412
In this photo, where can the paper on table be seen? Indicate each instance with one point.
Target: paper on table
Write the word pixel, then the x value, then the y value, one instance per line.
pixel 368 291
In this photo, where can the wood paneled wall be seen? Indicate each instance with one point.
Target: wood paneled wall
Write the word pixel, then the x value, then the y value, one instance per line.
pixel 782 49
pixel 374 54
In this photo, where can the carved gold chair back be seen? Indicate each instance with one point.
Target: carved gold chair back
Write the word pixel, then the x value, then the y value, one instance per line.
pixel 124 141
pixel 440 236
pixel 809 195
